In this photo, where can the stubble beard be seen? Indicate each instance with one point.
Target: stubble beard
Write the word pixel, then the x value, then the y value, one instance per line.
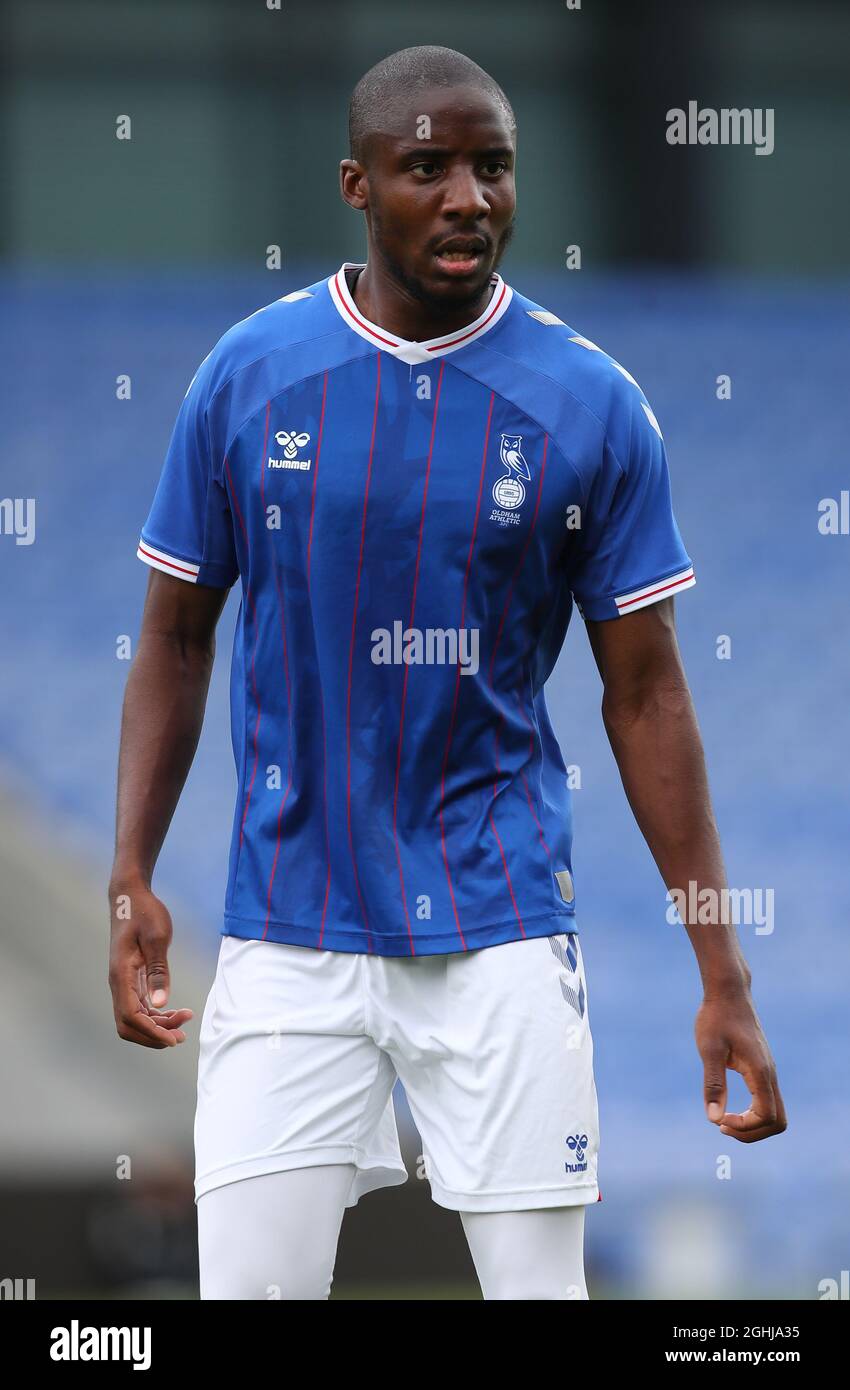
pixel 414 286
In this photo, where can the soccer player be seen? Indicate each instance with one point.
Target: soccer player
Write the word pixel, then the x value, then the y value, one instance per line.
pixel 414 472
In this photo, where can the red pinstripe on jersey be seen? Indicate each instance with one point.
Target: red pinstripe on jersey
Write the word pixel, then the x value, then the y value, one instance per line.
pixel 316 473
pixel 521 561
pixel 407 667
pixel 321 691
pixel 534 739
pixel 457 674
pixel 500 630
pixel 252 606
pixel 351 650
pixel 282 610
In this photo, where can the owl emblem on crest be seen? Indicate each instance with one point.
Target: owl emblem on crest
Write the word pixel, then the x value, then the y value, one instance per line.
pixel 509 491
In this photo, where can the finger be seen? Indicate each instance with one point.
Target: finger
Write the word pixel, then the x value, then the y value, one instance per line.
pixel 763 1109
pixel 142 1030
pixel 170 1019
pixel 714 1087
pixel 132 1017
pixel 129 1034
pixel 749 1135
pixel 148 1026
pixel 764 1116
pixel 175 1019
pixel 154 946
pixel 744 1123
pixel 134 1020
pixel 778 1102
pixel 780 1106
pixel 167 1015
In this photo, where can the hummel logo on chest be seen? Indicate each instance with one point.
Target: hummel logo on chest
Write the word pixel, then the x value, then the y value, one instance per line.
pixel 290 443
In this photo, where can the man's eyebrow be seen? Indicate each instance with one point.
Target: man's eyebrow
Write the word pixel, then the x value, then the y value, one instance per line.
pixel 423 148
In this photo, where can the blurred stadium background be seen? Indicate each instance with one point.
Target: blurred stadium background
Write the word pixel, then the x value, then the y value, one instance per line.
pixel 132 257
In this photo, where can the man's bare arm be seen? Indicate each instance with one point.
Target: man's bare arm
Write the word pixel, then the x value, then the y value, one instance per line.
pixel 163 714
pixel 652 727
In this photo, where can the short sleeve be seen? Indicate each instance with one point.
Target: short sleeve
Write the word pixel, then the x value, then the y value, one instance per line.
pixel 629 551
pixel 189 530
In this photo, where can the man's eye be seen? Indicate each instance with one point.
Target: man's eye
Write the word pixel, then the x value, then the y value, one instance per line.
pixel 494 167
pixel 426 167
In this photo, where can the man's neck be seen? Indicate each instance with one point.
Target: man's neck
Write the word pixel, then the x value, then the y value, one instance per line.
pixel 389 304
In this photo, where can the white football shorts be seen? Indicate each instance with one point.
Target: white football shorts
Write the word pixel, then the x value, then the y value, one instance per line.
pixel 300 1049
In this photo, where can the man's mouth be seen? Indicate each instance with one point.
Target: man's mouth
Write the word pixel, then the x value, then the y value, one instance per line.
pixel 459 256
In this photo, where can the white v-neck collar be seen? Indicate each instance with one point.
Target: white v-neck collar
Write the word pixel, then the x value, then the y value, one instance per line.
pixel 399 347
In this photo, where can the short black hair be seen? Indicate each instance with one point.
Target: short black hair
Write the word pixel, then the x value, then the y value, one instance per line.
pixel 412 69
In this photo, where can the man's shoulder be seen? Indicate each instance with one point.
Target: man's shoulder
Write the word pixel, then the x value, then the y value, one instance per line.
pixel 556 356
pixel 286 326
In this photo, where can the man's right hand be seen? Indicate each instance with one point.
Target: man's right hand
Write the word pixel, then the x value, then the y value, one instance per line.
pixel 138 968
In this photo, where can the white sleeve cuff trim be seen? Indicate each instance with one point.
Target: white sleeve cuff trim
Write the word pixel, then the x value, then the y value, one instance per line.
pixel 169 564
pixel 651 593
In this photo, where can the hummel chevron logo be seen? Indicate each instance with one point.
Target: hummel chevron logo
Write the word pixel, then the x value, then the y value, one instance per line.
pixel 290 442
pixel 578 1144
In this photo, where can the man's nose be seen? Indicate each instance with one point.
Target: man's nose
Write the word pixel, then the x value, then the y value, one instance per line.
pixel 464 196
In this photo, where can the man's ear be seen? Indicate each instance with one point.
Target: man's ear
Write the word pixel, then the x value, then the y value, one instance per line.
pixel 353 184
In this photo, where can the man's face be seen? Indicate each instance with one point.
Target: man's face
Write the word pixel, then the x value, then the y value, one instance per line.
pixel 440 208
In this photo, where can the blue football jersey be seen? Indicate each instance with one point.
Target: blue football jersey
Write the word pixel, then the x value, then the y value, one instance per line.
pixel 410 523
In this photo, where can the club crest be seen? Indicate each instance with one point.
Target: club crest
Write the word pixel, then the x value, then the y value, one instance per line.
pixel 509 491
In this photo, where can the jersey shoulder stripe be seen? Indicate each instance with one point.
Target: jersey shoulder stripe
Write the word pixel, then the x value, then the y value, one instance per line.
pixel 286 325
pixel 566 382
pixel 280 345
pixel 548 345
